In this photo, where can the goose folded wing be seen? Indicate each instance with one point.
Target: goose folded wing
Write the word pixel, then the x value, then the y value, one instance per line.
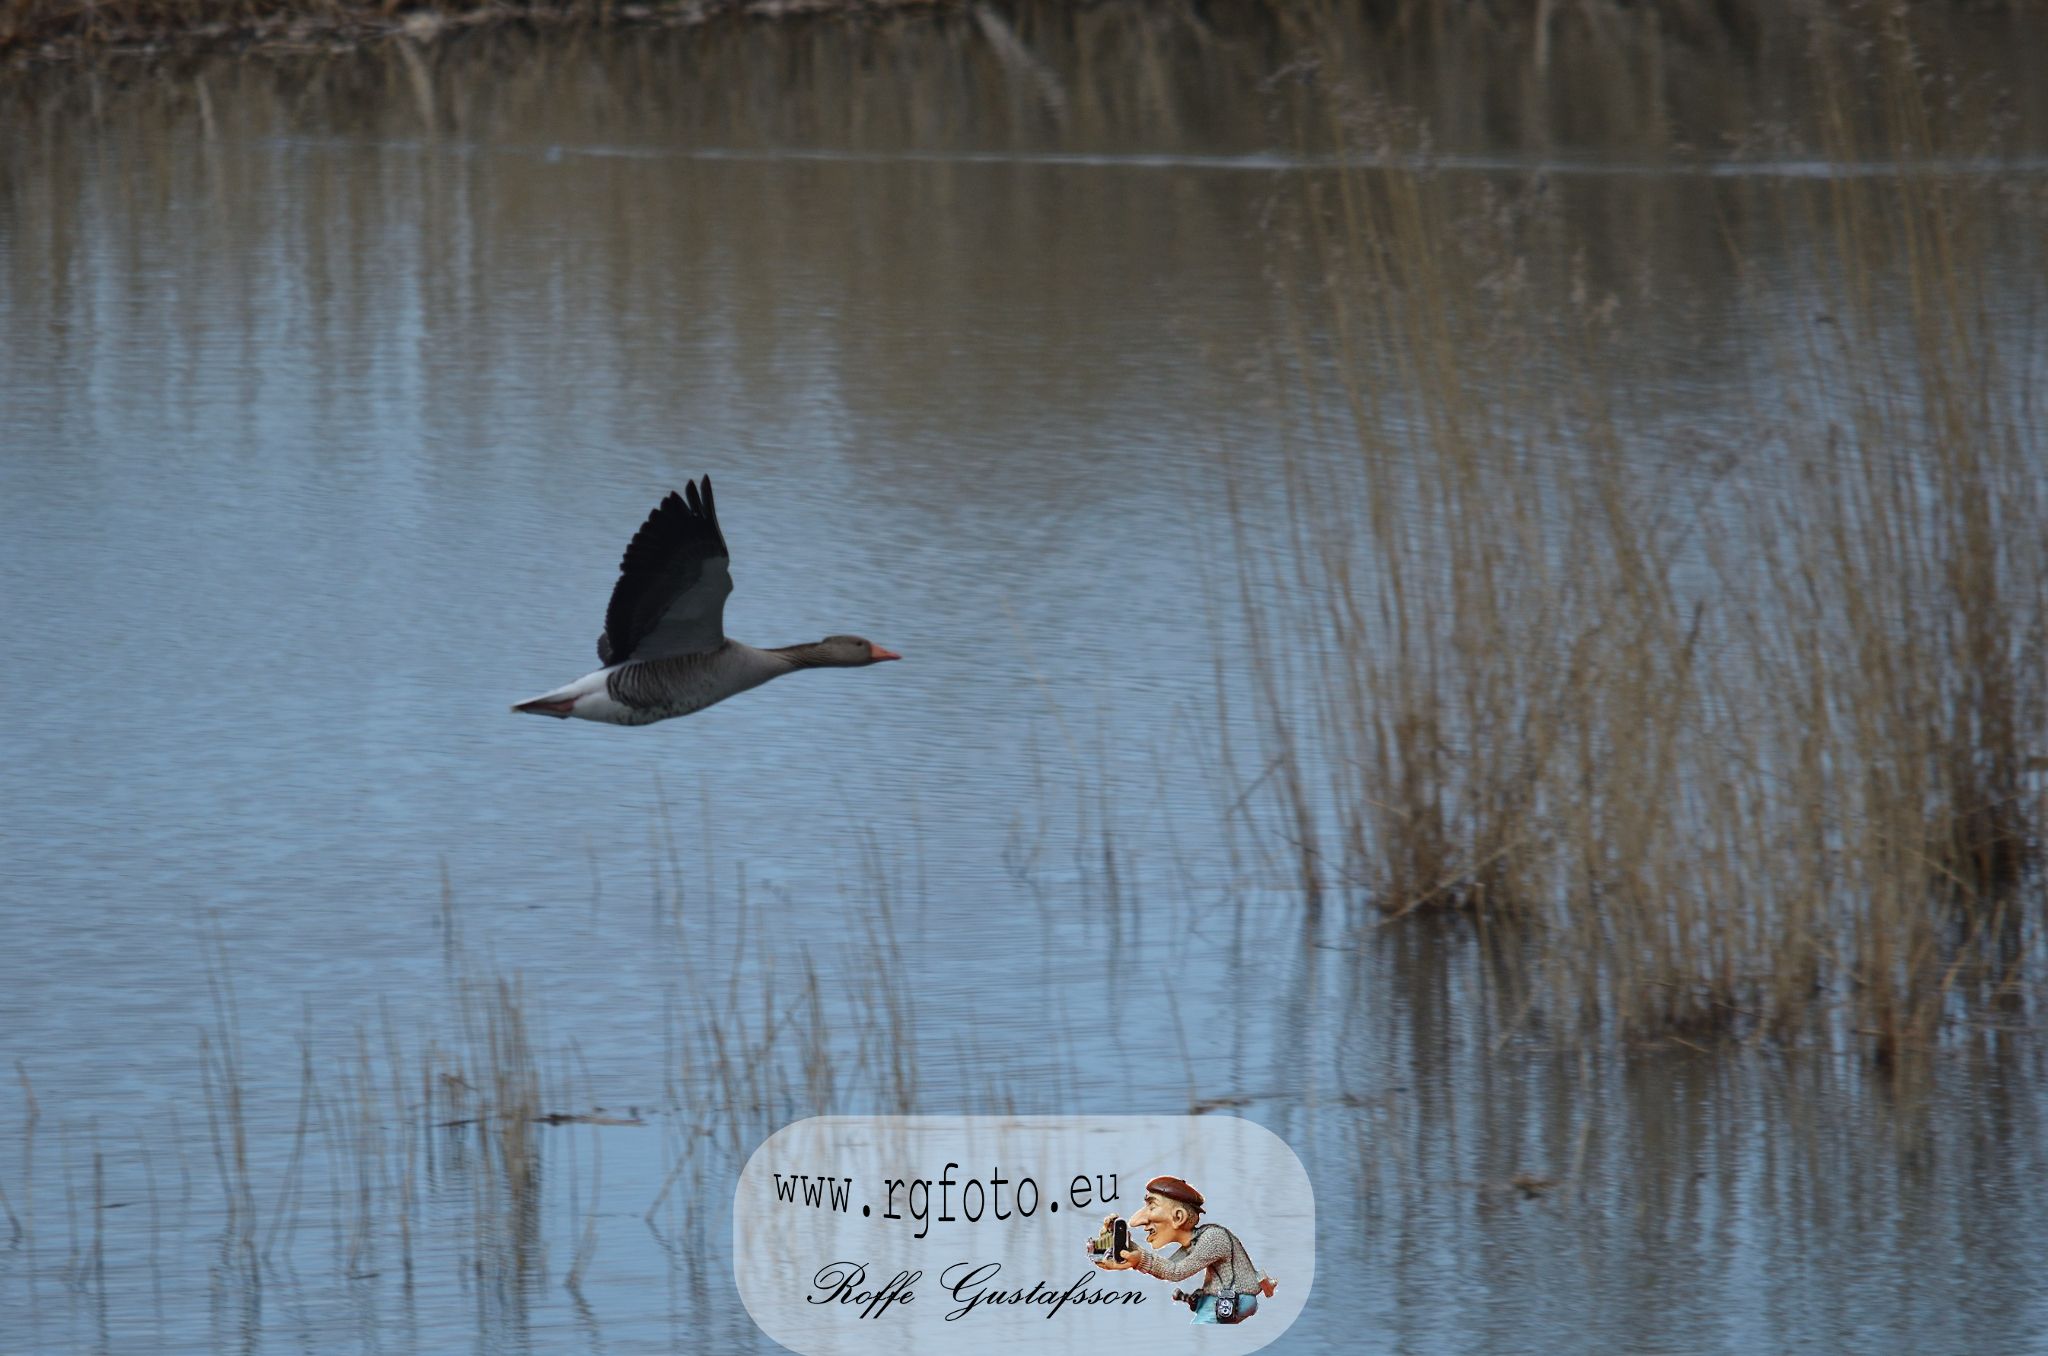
pixel 673 583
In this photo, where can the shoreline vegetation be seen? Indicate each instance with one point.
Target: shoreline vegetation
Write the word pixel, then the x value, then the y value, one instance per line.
pixel 1536 33
pixel 70 30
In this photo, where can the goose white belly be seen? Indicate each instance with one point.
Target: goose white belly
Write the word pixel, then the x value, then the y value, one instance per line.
pixel 588 697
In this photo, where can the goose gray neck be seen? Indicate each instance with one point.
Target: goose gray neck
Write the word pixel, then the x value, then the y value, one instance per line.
pixel 810 656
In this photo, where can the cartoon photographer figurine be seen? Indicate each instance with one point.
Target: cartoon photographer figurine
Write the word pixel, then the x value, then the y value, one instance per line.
pixel 1231 1285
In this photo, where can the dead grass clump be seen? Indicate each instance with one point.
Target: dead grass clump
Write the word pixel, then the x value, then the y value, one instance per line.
pixel 1753 749
pixel 1436 711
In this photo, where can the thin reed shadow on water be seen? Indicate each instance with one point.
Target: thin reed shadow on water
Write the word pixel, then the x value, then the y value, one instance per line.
pixel 467 1140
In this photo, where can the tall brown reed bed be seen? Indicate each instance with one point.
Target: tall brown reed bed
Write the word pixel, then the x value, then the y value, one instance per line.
pixel 1743 740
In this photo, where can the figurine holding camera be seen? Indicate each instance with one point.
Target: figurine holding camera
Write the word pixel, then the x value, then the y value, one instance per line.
pixel 1231 1286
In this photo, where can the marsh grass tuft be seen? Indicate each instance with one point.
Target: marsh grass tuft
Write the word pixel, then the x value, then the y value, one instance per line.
pixel 1742 742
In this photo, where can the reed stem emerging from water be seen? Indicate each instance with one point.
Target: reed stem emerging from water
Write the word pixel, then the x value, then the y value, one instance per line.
pixel 1739 740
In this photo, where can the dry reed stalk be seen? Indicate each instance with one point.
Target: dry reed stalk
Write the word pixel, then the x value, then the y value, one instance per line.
pixel 1730 756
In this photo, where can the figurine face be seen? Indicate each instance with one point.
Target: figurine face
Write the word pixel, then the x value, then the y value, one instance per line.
pixel 1161 1219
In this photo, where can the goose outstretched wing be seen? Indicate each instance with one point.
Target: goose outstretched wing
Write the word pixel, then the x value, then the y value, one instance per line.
pixel 673 583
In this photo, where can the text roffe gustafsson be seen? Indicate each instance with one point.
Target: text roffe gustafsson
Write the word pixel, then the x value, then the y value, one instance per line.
pixel 996 1199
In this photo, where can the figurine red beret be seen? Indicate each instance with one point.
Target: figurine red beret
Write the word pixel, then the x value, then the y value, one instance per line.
pixel 1173 1189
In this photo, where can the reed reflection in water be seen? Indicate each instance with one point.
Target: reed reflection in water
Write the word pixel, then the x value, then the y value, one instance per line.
pixel 325 371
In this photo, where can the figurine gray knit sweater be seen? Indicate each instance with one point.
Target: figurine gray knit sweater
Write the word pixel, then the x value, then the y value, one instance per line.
pixel 1214 1250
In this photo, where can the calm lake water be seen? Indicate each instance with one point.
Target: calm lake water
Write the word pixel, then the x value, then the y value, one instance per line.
pixel 333 383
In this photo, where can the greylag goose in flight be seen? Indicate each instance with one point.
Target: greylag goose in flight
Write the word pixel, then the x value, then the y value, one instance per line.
pixel 664 647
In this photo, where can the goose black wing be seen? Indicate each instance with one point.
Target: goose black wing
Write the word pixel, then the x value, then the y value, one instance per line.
pixel 673 583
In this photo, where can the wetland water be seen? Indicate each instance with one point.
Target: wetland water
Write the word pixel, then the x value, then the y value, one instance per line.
pixel 331 386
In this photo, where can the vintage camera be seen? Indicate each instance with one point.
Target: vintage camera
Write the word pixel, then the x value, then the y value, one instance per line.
pixel 1113 1242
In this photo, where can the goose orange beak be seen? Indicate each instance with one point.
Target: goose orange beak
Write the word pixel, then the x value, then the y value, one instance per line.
pixel 877 654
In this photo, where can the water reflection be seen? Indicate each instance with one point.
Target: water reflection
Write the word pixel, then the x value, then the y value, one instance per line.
pixel 322 370
pixel 1678 1179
